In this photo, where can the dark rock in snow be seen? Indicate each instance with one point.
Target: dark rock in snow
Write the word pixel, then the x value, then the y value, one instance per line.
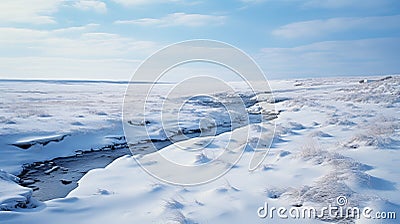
pixel 64 181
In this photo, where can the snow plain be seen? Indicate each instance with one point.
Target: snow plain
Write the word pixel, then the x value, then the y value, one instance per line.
pixel 334 137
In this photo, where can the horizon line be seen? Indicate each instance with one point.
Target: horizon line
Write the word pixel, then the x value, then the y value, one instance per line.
pixel 151 82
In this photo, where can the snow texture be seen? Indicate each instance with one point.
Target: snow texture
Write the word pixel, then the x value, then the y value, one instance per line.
pixel 334 137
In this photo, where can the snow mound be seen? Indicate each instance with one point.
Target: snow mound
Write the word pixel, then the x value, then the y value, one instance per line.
pixel 12 195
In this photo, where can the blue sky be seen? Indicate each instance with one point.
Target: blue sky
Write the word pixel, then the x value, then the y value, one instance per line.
pixel 96 39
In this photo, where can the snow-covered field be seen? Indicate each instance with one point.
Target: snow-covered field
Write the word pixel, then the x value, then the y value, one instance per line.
pixel 334 137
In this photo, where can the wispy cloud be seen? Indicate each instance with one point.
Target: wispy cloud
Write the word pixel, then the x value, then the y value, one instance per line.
pixel 178 19
pixel 70 52
pixel 316 28
pixel 76 42
pixel 76 29
pixel 355 57
pixel 87 5
pixel 39 67
pixel 337 4
pixel 35 12
pixel 143 2
pixel 252 1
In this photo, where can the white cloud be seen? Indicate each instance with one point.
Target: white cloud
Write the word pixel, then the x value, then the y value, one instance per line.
pixel 315 28
pixel 67 68
pixel 143 2
pixel 34 12
pixel 71 52
pixel 76 29
pixel 178 19
pixel 253 1
pixel 337 4
pixel 87 5
pixel 144 21
pixel 356 57
pixel 76 42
